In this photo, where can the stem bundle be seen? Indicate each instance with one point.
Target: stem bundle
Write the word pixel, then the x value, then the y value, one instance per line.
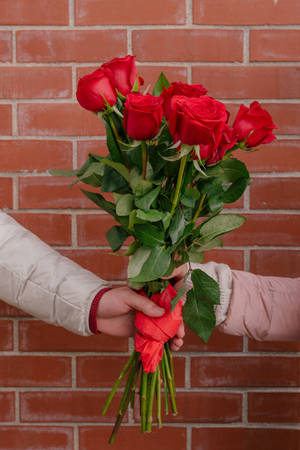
pixel 150 389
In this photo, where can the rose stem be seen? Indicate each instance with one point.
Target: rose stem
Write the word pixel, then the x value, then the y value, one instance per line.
pixel 179 183
pixel 143 400
pixel 170 383
pixel 158 397
pixel 118 381
pixel 144 158
pixel 171 364
pixel 115 133
pixel 150 402
pixel 199 209
pixel 133 389
pixel 124 402
pixel 165 386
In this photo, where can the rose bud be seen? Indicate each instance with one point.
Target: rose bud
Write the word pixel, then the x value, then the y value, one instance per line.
pixel 198 121
pixel 122 72
pixel 228 140
pixel 254 125
pixel 93 88
pixel 142 116
pixel 183 89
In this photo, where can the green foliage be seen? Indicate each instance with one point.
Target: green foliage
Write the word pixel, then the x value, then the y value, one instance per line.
pixel 161 82
pixel 155 266
pixel 115 237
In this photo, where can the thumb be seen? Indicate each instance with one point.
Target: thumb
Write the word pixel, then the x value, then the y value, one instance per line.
pixel 144 305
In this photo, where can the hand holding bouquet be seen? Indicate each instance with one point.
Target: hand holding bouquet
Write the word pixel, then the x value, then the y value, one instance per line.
pixel 171 169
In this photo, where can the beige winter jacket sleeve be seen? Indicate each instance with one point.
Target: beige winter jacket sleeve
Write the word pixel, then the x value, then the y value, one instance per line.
pixel 261 307
pixel 40 281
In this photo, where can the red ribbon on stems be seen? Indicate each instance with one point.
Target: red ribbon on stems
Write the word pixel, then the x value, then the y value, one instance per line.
pixel 154 332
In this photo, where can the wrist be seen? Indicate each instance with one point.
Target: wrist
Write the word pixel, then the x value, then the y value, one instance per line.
pixel 94 309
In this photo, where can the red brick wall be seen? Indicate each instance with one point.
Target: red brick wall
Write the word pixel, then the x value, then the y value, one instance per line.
pixel 232 394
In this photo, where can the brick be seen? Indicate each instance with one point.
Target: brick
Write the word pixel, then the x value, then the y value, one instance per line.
pixel 270 158
pixel 275 193
pixel 7 406
pixel 218 342
pixel 10 311
pixel 92 228
pixel 5 46
pixel 6 192
pixel 102 371
pixel 67 406
pixel 50 192
pixel 101 262
pixel 35 82
pixel 232 371
pixel 37 336
pixel 86 147
pixel 35 155
pixel 55 229
pixel 32 12
pixel 68 46
pixel 188 45
pixel 249 82
pixel 37 437
pixel 57 120
pixel 274 407
pixel 281 263
pixel 273 346
pixel 245 438
pixel 207 12
pixel 234 258
pixel 5 120
pixel 6 335
pixel 205 407
pixel 118 12
pixel 286 116
pixel 266 229
pixel 93 438
pixel 274 45
pixel 35 371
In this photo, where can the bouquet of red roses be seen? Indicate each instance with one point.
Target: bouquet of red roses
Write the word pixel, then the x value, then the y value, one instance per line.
pixel 171 169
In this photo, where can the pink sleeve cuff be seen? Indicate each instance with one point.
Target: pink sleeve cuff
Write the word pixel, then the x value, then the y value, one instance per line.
pixel 93 311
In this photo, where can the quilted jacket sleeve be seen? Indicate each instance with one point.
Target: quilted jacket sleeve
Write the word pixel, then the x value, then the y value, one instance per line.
pixel 40 281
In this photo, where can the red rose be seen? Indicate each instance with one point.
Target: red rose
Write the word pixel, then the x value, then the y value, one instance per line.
pixel 122 72
pixel 254 125
pixel 228 140
pixel 198 121
pixel 178 88
pixel 91 90
pixel 142 116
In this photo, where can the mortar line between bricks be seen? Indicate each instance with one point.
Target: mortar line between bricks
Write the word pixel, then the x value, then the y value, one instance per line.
pixel 74 243
pixel 15 199
pixel 163 27
pixel 76 436
pixel 187 372
pixel 17 406
pixel 71 14
pixel 70 101
pixel 280 137
pixel 16 335
pixel 189 12
pixel 199 390
pixel 246 47
pixel 245 409
pixel 189 437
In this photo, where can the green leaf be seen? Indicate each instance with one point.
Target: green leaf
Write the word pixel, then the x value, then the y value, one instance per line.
pixel 196 256
pixel 161 82
pixel 155 265
pixel 142 188
pixel 149 235
pixel 146 200
pixel 120 168
pixel 92 175
pixel 206 289
pixel 204 246
pixel 199 316
pixel 177 226
pixel 190 197
pixel 134 178
pixel 150 216
pixel 63 173
pixel 116 236
pixel 137 260
pixel 236 190
pixel 132 248
pixel 101 202
pixel 112 144
pixel 215 203
pixel 220 224
pixel 229 170
pixel 112 181
pixel 124 205
pixel 166 220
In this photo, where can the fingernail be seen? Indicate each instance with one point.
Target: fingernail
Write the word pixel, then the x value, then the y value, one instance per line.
pixel 159 310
